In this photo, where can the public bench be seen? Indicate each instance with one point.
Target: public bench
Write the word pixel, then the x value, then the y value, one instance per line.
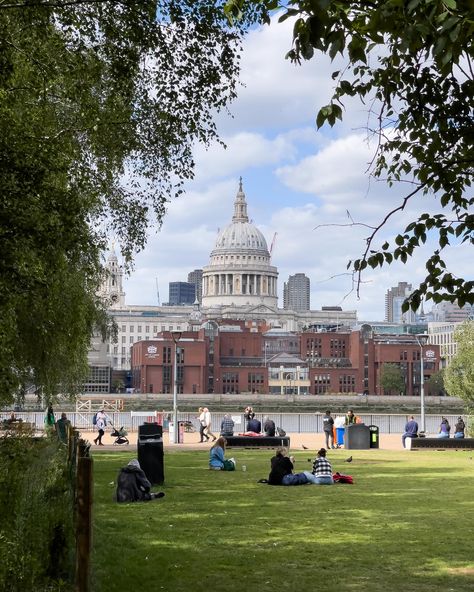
pixel 257 441
pixel 441 443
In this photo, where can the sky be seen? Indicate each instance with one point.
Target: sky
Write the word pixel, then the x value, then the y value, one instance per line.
pixel 303 187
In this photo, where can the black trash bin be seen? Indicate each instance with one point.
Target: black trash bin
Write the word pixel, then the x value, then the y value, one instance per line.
pixel 374 436
pixel 150 452
pixel 357 437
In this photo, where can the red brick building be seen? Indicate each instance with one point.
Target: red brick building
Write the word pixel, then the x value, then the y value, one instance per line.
pixel 237 358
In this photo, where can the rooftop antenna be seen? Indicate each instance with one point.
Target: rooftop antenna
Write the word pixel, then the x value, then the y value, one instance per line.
pixel 157 292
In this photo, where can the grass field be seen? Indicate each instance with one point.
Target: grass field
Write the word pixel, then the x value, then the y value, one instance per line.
pixel 406 524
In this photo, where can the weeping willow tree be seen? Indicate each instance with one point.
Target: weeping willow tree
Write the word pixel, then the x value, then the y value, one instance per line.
pixel 101 103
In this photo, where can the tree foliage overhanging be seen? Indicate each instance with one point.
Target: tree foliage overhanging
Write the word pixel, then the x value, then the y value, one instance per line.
pixel 101 103
pixel 411 62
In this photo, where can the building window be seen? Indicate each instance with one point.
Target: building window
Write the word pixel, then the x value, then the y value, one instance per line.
pixel 167 355
pixel 230 382
pixel 124 339
pixel 124 328
pixel 132 328
pixel 147 329
pixel 139 329
pixel 322 383
pixel 255 382
pixel 346 383
pixel 131 339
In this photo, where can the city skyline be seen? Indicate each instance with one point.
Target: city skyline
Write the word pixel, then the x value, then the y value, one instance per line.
pixel 305 186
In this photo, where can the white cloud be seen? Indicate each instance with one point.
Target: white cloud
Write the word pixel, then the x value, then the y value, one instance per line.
pixel 301 182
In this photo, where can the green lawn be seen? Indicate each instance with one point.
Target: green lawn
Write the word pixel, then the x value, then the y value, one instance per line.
pixel 406 524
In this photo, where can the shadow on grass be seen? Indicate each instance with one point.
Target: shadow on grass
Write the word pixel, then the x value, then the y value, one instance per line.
pixel 225 531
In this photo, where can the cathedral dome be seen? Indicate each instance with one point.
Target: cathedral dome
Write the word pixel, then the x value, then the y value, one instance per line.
pixel 241 235
pixel 240 271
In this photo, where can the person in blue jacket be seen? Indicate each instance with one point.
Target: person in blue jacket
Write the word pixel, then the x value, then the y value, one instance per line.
pixel 217 460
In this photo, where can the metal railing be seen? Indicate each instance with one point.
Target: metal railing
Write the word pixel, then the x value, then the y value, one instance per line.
pixel 291 422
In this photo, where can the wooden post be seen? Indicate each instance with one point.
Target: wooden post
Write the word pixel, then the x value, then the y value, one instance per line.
pixel 84 519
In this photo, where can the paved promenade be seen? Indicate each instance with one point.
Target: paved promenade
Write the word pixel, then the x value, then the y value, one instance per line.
pixel 191 441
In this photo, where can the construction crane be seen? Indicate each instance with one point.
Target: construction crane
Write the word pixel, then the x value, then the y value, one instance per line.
pixel 157 292
pixel 273 244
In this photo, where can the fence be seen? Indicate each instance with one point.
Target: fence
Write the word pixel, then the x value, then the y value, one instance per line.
pixel 291 422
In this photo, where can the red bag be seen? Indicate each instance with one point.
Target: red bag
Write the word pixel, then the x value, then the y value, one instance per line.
pixel 338 478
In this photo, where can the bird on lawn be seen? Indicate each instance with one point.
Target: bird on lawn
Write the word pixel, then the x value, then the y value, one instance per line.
pixel 304 447
pixel 348 459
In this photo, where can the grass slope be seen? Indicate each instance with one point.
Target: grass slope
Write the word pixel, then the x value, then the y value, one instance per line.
pixel 406 524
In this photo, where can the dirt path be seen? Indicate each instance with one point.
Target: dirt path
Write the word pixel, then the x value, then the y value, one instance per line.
pixel 191 441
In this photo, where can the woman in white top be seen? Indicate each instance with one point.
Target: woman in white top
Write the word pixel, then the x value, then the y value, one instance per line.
pixel 207 419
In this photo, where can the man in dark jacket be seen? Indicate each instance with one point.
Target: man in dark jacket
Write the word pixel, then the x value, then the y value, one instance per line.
pixel 254 425
pixel 133 486
pixel 269 427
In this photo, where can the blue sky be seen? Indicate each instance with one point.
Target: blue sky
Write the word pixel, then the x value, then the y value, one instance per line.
pixel 299 183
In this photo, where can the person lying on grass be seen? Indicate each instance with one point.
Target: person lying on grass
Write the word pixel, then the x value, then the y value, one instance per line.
pixel 133 485
pixel 282 470
pixel 322 470
pixel 217 460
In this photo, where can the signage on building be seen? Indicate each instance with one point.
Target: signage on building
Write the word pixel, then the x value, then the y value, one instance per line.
pixel 151 351
pixel 430 354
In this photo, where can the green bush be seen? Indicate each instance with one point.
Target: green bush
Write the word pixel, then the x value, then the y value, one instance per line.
pixel 36 515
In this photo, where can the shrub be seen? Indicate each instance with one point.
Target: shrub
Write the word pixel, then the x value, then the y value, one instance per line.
pixel 36 515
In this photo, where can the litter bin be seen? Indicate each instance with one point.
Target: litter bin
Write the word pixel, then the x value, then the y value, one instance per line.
pixel 150 452
pixel 340 436
pixel 180 439
pixel 357 437
pixel 374 436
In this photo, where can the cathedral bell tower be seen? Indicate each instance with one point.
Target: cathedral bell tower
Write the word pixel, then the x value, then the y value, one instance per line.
pixel 111 289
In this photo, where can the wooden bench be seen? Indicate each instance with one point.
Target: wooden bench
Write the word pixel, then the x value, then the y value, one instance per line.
pixel 441 443
pixel 257 441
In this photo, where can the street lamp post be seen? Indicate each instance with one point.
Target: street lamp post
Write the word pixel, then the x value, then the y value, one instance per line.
pixel 421 340
pixel 176 335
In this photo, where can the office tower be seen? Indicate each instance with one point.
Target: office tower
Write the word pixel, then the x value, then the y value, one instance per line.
pixel 181 293
pixel 195 277
pixel 296 292
pixel 394 298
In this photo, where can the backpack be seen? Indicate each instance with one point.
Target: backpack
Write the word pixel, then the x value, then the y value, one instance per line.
pixel 281 432
pixel 338 478
pixel 94 419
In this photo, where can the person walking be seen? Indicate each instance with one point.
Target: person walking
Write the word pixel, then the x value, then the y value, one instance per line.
pixel 63 425
pixel 328 428
pixel 49 420
pixel 207 419
pixel 202 425
pixel 100 424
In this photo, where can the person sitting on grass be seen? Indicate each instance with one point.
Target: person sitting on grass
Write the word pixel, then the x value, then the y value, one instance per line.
pixel 322 470
pixel 217 460
pixel 133 485
pixel 281 472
